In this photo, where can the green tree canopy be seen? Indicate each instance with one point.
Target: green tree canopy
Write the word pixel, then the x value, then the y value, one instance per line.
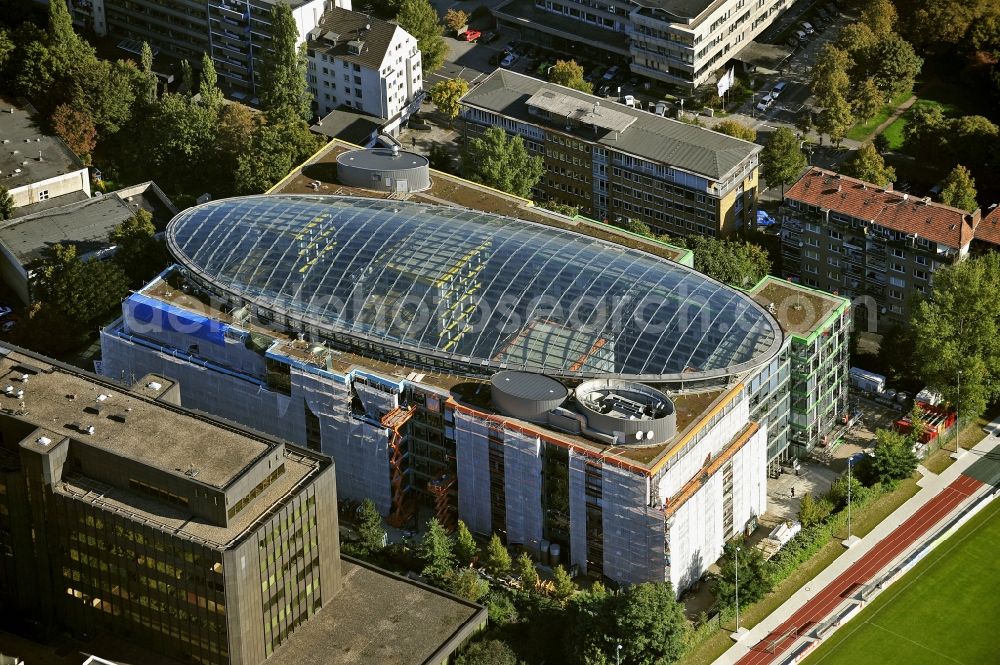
pixel 830 73
pixel 957 329
pixel 371 534
pixel 880 16
pixel 148 85
pixel 856 39
pixel 497 557
pixel 502 162
pixel 893 64
pixel 85 292
pixel 488 652
pixel 420 19
pixel 107 92
pixel 755 580
pixel 570 74
pixel 563 586
pixel 836 119
pixel 868 99
pixel 284 92
pixel 737 129
pixel 524 570
pixel 447 94
pixel 466 549
pixel 736 262
pixel 812 511
pixel 467 583
pixel 435 552
pixel 868 165
pixel 894 459
pixel 187 77
pixel 6 204
pixel 959 190
pixel 208 84
pixel 456 19
pixel 139 254
pixel 782 160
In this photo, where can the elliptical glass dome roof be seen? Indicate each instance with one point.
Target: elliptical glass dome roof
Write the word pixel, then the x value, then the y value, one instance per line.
pixel 467 291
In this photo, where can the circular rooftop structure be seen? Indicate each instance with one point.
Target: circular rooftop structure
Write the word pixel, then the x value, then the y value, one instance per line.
pixel 467 292
pixel 526 395
pixel 637 413
pixel 384 170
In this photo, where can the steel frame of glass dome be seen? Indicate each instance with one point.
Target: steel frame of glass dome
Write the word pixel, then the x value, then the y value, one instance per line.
pixel 306 260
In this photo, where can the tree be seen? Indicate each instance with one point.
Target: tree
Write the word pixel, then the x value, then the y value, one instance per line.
pixel 839 493
pixel 782 160
pixel 561 208
pixel 880 16
pixel 180 132
pixel 139 254
pixel 264 163
pixel 7 48
pixel 436 553
pixel 467 583
pixel 208 84
pixel 371 535
pixel 488 652
pixel 447 94
pixel 148 86
pixel 84 292
pixel 836 119
pixel 829 73
pixel 503 162
pixel 649 624
pixel 284 93
pixel 959 190
pixel 868 165
pixel 187 77
pixel 755 582
pixel 924 132
pixel 563 586
pixel 735 262
pixel 813 512
pixel 69 52
pixel 893 457
pixel 958 329
pixel 466 549
pixel 456 19
pixel 419 18
pixel 524 570
pixel 107 92
pixel 635 226
pixel 75 128
pixel 804 121
pixel 6 204
pixel 570 74
pixel 893 64
pixel 737 129
pixel 868 99
pixel 857 39
pixel 497 557
pixel 36 71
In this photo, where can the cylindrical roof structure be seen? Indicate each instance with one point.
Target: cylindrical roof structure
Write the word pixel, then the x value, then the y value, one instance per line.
pixel 526 395
pixel 384 170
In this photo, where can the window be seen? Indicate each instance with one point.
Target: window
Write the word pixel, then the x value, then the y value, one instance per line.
pixel 898 253
pixel 43 195
pixel 836 235
pixel 898 267
pixel 893 293
pixel 920 274
pixel 896 281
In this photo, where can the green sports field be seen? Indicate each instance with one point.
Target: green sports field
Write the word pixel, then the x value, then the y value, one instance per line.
pixel 945 610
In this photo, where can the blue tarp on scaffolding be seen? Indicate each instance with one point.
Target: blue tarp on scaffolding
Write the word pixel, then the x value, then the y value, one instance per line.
pixel 142 311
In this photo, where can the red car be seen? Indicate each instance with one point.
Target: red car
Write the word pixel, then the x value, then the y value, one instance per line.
pixel 471 35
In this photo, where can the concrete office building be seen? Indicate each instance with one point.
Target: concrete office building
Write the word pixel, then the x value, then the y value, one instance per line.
pixel 854 239
pixel 683 42
pixel 235 33
pixel 85 224
pixel 445 381
pixel 617 162
pixel 366 64
pixel 145 519
pixel 36 169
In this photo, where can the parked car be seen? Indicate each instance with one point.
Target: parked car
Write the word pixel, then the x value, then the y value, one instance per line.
pixel 807 27
pixel 611 73
pixel 661 108
pixel 508 60
pixel 793 41
pixel 603 90
pixel 778 88
pixel 802 37
pixel 489 37
pixel 471 35
pixel 630 100
pixel 764 103
pixel 5 311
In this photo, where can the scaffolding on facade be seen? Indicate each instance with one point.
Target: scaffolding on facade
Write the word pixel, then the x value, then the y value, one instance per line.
pixel 402 508
pixel 440 488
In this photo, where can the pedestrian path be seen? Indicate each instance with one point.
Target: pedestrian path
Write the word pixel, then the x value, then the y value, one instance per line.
pixel 893 538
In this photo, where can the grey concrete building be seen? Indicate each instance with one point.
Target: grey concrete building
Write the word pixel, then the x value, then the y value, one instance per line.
pixel 616 162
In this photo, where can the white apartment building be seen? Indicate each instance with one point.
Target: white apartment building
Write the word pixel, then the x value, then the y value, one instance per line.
pixel 682 42
pixel 365 64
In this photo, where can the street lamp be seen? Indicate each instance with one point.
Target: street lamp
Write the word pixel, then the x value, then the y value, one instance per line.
pixel 737 589
pixel 851 539
pixel 618 655
pixel 958 417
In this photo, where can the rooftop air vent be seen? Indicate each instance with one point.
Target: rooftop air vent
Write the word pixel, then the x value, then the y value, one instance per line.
pixel 43 440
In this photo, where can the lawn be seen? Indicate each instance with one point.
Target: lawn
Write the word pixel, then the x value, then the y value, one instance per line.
pixel 894 132
pixel 944 610
pixel 863 130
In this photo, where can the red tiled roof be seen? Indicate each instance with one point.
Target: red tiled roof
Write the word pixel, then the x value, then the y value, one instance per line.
pixel 893 210
pixel 989 229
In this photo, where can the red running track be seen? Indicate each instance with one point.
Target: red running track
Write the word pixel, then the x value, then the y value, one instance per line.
pixel 863 571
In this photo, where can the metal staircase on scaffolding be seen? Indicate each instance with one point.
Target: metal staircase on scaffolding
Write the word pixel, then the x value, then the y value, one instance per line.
pixel 440 488
pixel 394 421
